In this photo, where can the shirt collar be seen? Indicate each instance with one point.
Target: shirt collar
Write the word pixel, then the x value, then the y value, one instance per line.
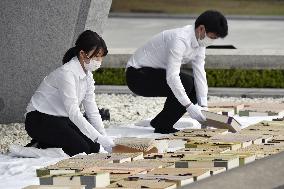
pixel 194 42
pixel 78 70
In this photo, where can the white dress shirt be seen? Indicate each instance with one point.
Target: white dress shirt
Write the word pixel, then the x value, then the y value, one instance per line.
pixel 169 50
pixel 61 94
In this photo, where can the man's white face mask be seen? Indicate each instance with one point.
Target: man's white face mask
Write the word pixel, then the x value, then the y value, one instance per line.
pixel 93 65
pixel 205 42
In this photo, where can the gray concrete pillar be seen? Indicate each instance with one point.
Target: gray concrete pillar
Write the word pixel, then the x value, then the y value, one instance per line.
pixel 34 35
pixel 98 15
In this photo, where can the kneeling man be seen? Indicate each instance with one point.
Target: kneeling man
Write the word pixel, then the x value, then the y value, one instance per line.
pixel 154 69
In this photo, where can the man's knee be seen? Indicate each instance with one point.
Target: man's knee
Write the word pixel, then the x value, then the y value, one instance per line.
pixel 187 82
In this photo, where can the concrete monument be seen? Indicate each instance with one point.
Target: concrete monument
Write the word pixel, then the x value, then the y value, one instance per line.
pixel 34 36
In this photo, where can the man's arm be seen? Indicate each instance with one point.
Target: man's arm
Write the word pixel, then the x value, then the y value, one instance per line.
pixel 175 55
pixel 200 81
pixel 176 48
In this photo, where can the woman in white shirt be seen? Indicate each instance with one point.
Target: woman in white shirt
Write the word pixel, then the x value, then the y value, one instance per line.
pixel 154 69
pixel 53 117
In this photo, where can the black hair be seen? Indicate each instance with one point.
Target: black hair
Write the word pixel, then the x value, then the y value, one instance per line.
pixel 214 22
pixel 87 41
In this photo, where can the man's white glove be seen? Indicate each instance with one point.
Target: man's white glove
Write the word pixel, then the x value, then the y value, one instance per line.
pixel 204 108
pixel 106 142
pixel 194 112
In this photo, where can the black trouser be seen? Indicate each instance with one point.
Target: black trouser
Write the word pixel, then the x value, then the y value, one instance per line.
pixel 150 82
pixel 58 132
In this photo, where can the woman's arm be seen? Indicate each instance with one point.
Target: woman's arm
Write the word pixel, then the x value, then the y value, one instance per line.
pixel 67 90
pixel 91 107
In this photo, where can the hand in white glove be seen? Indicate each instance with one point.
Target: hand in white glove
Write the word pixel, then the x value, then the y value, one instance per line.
pixel 108 149
pixel 194 112
pixel 103 132
pixel 106 142
pixel 204 108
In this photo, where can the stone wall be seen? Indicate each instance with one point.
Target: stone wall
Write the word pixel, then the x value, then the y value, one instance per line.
pixel 34 36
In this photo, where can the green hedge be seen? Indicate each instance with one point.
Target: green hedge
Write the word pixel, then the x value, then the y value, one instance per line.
pixel 215 77
pixel 246 78
pixel 228 7
pixel 110 76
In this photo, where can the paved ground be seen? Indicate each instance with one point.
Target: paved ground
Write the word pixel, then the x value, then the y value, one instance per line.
pixel 213 91
pixel 243 34
pixel 262 174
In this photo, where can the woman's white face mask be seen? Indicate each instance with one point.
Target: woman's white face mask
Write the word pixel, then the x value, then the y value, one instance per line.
pixel 93 65
pixel 205 42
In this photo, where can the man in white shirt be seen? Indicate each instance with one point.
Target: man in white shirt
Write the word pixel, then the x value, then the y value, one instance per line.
pixel 154 69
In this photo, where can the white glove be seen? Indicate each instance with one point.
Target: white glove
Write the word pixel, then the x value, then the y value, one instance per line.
pixel 106 142
pixel 103 132
pixel 204 108
pixel 194 112
pixel 108 149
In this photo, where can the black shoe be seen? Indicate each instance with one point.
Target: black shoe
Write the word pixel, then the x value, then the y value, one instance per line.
pixel 152 125
pixel 105 114
pixel 165 130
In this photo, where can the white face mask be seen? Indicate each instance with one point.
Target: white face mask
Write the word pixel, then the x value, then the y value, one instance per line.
pixel 93 65
pixel 205 42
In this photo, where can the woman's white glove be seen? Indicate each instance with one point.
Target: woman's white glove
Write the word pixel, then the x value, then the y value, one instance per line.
pixel 103 132
pixel 194 112
pixel 106 142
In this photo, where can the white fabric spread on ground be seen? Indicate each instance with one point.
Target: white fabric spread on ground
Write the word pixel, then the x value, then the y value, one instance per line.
pixel 17 172
pixel 32 152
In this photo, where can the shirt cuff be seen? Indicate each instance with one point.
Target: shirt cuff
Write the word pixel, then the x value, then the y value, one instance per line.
pixel 185 101
pixel 202 101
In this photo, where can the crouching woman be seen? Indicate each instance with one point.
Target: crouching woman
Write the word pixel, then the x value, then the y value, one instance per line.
pixel 53 117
